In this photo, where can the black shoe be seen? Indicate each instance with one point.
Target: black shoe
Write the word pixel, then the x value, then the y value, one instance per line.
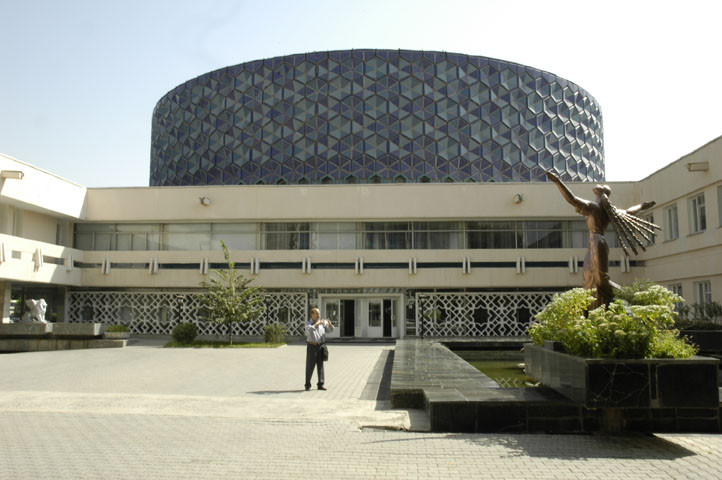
pixel 308 388
pixel 321 387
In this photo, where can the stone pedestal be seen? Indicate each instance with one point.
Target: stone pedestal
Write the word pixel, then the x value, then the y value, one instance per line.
pixel 5 290
pixel 19 330
pixel 35 337
pixel 708 341
pixel 620 383
pixel 78 330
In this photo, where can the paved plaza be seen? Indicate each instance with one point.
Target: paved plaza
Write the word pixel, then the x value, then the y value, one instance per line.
pixel 149 412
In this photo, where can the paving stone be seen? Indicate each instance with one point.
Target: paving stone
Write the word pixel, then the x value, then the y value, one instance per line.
pixel 146 412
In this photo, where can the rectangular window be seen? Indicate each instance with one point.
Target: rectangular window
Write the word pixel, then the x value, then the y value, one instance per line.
pixel 286 236
pixel 94 236
pixel 137 236
pixel 719 204
pixel 543 234
pixel 697 214
pixel 436 235
pixel 236 236
pixel 333 236
pixel 387 236
pixel 17 222
pixel 578 234
pixel 187 236
pixel 82 239
pixel 652 238
pixel 374 314
pixel 61 233
pixel 703 292
pixel 493 235
pixel 671 226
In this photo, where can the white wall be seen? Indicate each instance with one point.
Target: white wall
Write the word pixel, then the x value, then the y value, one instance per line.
pixel 334 202
pixel 47 198
pixel 24 268
pixel 693 256
pixel 41 191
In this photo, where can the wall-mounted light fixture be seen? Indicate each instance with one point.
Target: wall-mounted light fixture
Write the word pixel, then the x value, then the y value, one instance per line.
pixel 14 174
pixel 205 201
pixel 518 198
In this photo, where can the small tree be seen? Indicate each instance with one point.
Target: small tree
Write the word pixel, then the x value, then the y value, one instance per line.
pixel 229 299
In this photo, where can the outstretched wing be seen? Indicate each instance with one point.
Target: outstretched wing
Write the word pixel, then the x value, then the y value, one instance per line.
pixel 631 230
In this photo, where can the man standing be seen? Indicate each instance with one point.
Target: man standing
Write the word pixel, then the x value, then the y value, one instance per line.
pixel 315 339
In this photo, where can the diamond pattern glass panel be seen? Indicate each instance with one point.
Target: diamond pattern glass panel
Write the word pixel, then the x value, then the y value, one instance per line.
pixel 376 115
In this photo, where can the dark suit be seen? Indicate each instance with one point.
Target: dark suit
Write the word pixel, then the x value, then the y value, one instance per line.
pixel 315 339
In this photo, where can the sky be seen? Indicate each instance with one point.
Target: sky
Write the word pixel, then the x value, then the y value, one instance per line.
pixel 79 79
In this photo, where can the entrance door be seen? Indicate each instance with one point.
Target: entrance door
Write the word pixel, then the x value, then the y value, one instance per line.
pixel 388 316
pixel 361 317
pixel 342 313
pixel 380 316
pixel 374 317
pixel 331 310
pixel 348 318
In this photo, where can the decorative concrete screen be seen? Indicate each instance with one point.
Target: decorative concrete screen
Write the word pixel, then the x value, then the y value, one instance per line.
pixel 478 314
pixel 158 313
pixel 375 116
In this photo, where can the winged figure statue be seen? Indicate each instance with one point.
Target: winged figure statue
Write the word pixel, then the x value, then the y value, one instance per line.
pixel 632 231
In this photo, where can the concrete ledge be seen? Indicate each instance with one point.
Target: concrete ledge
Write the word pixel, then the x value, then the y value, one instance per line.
pixel 87 330
pixel 40 337
pixel 25 329
pixel 106 343
pixel 49 344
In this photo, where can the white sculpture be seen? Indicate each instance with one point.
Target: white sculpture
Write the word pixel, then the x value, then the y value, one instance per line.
pixel 36 314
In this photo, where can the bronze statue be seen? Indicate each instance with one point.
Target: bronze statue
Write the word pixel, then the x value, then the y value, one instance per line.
pixel 600 213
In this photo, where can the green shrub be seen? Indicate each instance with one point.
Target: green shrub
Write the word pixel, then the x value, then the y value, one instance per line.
pixel 275 333
pixel 638 324
pixel 668 344
pixel 646 292
pixel 117 328
pixel 185 333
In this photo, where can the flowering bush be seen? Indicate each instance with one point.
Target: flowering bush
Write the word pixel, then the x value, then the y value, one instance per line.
pixel 638 324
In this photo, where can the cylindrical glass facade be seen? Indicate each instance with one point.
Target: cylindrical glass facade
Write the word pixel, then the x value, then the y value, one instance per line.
pixel 375 116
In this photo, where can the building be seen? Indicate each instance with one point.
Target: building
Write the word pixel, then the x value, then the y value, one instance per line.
pixel 375 116
pixel 443 257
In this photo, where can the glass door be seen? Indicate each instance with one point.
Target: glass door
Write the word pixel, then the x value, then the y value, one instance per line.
pixel 361 317
pixel 331 311
pixel 375 317
pixel 342 313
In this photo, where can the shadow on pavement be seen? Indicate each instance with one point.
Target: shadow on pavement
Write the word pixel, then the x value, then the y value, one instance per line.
pixel 568 447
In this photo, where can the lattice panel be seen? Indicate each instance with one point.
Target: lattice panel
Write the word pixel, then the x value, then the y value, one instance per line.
pixel 157 313
pixel 478 314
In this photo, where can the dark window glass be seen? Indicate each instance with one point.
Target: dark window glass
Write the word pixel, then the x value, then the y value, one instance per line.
pixel 287 236
pixel 492 235
pixel 387 236
pixel 543 235
pixel 436 235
